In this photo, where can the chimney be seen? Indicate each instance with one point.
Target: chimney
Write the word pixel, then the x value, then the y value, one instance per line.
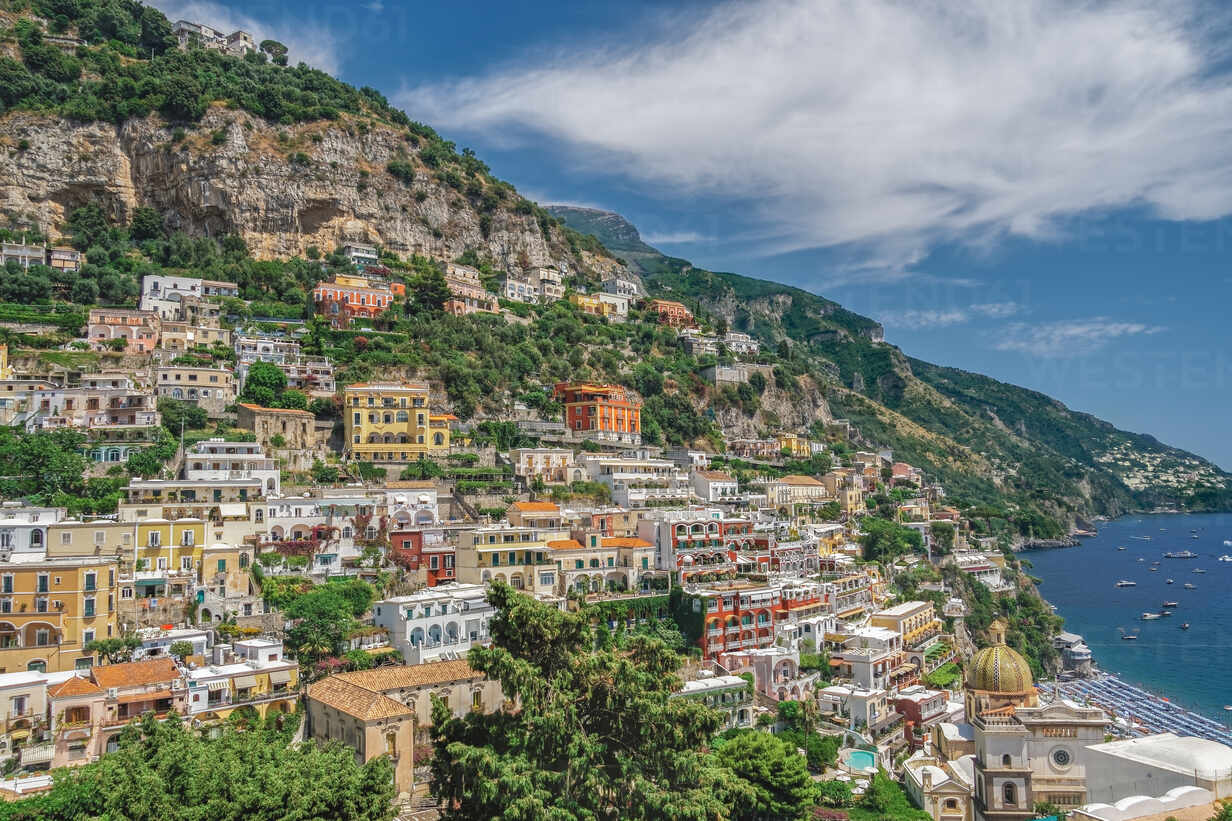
pixel 926 778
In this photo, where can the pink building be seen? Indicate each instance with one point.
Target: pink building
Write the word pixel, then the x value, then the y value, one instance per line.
pixel 139 329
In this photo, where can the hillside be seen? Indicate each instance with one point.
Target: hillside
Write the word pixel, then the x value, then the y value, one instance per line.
pixel 151 158
pixel 987 440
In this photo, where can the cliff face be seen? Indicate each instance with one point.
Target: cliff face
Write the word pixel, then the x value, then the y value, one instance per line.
pixel 282 188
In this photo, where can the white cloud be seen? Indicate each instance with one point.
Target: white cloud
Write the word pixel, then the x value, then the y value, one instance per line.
pixel 676 237
pixel 923 318
pixel 884 127
pixel 1070 338
pixel 998 310
pixel 308 42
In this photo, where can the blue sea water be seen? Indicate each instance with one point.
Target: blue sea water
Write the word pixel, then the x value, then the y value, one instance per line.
pixel 1191 667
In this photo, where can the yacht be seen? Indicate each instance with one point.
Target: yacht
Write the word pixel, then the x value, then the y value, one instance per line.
pixel 1126 583
pixel 1171 581
pixel 1181 554
pixel 1224 558
pixel 1189 586
pixel 1199 570
pixel 1120 548
pixel 1170 604
pixel 1149 616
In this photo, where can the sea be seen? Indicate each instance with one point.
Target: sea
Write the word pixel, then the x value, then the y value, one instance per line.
pixel 1190 667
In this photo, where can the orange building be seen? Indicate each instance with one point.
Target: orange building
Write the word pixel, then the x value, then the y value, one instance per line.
pixel 671 313
pixel 342 301
pixel 601 411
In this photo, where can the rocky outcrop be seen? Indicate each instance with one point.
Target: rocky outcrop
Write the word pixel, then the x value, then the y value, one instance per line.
pixel 282 188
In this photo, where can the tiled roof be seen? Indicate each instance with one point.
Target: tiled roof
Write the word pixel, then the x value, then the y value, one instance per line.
pixel 537 507
pixel 261 409
pixel 136 673
pixel 565 544
pixel 625 541
pixel 383 679
pixel 796 479
pixel 354 700
pixel 75 686
pixel 715 475
pixel 407 484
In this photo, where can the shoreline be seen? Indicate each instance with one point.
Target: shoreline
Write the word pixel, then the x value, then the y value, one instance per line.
pixel 1220 729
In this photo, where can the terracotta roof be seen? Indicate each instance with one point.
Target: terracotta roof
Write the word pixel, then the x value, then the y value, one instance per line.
pixel 356 701
pixel 715 475
pixel 383 679
pixel 796 479
pixel 565 544
pixel 262 409
pixel 625 541
pixel 136 673
pixel 411 484
pixel 537 507
pixel 75 686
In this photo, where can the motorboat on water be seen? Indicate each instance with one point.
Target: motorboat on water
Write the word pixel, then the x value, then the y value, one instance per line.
pixel 1224 558
pixel 1180 554
pixel 1171 604
pixel 1171 581
pixel 1122 548
pixel 1199 570
pixel 1154 569
pixel 1126 583
pixel 1129 637
pixel 1141 538
pixel 1185 626
pixel 1150 616
pixel 1140 559
pixel 1189 586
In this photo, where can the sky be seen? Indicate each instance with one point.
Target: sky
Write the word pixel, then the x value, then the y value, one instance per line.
pixel 1038 190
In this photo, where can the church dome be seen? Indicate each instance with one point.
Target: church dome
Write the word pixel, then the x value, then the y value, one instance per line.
pixel 999 668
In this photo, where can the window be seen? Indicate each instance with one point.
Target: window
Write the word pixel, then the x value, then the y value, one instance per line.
pixel 188 538
pixel 100 536
pixel 87 636
pixel 42 582
pixel 433 562
pixel 66 538
pixel 186 563
pixel 222 565
pixel 7 584
pixel 91 584
pixel 42 637
pixel 40 604
pixel 1006 761
pixel 89 607
pixel 1009 794
pixel 155 539
pixel 126 593
pixel 162 562
pixel 1061 757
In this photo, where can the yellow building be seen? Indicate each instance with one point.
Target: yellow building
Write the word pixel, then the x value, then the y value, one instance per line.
pixel 6 370
pixel 101 538
pixel 587 304
pixel 392 422
pixel 49 610
pixel 519 556
pixel 798 447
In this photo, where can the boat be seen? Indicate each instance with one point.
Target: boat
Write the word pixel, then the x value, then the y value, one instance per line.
pixel 1121 548
pixel 1126 583
pixel 1171 581
pixel 1141 559
pixel 1181 554
pixel 1194 536
pixel 1227 542
pixel 1228 707
pixel 1154 569
pixel 1189 586
pixel 1224 558
pixel 1185 626
pixel 1141 538
pixel 1199 570
pixel 1165 612
pixel 1149 616
pixel 1170 604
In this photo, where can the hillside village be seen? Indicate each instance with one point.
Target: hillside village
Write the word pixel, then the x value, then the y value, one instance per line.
pixel 315 498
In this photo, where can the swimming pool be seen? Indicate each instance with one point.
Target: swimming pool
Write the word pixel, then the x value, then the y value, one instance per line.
pixel 859 759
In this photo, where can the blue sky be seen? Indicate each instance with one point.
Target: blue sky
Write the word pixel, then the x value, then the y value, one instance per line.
pixel 1037 190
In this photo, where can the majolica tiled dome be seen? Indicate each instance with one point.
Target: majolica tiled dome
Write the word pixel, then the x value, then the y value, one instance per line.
pixel 999 668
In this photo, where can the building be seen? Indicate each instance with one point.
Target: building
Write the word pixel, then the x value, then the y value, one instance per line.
pixel 211 389
pixel 520 290
pixel 64 258
pixel 344 303
pixel 217 458
pixel 469 296
pixel 697 542
pixel 50 609
pixel 426 552
pixel 587 303
pixel 237 43
pixel 621 287
pixel 1155 764
pixel 726 375
pixel 638 481
pixel 596 563
pixel 715 486
pixel 741 344
pixel 255 674
pixel 776 671
pixel 23 254
pixel 518 556
pixel 139 330
pixel 134 688
pixel 549 283
pixel 361 256
pixel 696 343
pixel 940 787
pixel 730 695
pixel 671 313
pixel 388 710
pixel 392 422
pixel 735 615
pixel 757 449
pixel 600 411
pixel 794 491
pixel 438 623
pixel 289 433
pixel 552 466
pixel 614 306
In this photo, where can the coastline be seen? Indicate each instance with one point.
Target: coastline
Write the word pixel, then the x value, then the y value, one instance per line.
pixel 1171 705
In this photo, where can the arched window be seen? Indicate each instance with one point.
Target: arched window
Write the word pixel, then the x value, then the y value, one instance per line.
pixel 1010 794
pixel 438 439
pixel 347 532
pixel 36 538
pixel 951 803
pixel 403 416
pixel 1006 761
pixel 260 515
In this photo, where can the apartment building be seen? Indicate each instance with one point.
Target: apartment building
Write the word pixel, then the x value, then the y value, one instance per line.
pixel 597 563
pixel 550 282
pixel 217 458
pixel 603 412
pixel 671 313
pixel 520 290
pixel 23 529
pixel 697 541
pixel 113 410
pixel 139 330
pixel 519 556
pixel 438 623
pixel 622 287
pixel 179 336
pixel 343 303
pixel 64 258
pixel 586 303
pixel 426 552
pixel 552 466
pixel 211 389
pixel 392 422
pixel 736 615
pixel 715 486
pixel 254 673
pixel 188 34
pixel 638 481
pixel 741 344
pixel 696 343
pixel 614 306
pixel 730 695
pixel 468 295
pixel 23 254
pixel 50 609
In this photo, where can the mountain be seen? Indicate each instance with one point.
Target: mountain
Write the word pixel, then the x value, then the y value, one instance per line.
pixel 988 441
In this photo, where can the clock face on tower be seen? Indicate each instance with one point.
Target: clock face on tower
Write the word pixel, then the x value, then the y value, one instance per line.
pixel 1061 757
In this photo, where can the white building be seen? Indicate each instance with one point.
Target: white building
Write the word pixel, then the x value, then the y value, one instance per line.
pixel 616 305
pixel 741 344
pixel 520 290
pixel 217 458
pixel 436 623
pixel 729 695
pixel 1153 764
pixel 156 641
pixel 549 283
pixel 715 486
pixel 621 287
pixel 639 482
pixel 23 530
pixel 554 466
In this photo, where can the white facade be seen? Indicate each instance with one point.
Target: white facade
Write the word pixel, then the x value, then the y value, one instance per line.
pixel 217 458
pixel 618 305
pixel 621 287
pixel 741 343
pixel 637 482
pixel 436 623
pixel 549 282
pixel 715 486
pixel 23 530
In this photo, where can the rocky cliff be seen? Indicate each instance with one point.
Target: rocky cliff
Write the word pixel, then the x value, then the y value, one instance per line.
pixel 282 188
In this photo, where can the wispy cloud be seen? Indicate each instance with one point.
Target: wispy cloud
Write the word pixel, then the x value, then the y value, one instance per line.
pixel 887 127
pixel 308 42
pixel 998 310
pixel 924 318
pixel 1070 338
pixel 676 237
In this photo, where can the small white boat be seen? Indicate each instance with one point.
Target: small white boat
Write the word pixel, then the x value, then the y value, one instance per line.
pixel 1150 616
pixel 1171 581
pixel 1126 583
pixel 1224 558
pixel 1120 548
pixel 1141 559
pixel 1189 586
pixel 1154 569
pixel 1199 570
pixel 1141 538
pixel 1227 542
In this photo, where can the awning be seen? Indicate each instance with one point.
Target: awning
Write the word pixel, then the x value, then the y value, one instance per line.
pixel 75 733
pixel 233 510
pixel 221 684
pixel 280 677
pixel 153 695
pixel 150 582
pixel 245 682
